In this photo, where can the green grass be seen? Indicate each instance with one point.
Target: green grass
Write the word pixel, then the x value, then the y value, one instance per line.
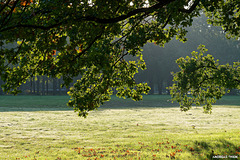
pixel 46 103
pixel 33 103
pixel 120 130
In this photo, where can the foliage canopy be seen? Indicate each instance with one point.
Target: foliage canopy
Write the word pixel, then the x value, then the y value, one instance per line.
pixel 68 38
pixel 202 80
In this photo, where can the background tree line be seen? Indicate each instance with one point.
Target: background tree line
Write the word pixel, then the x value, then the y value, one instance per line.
pixel 160 60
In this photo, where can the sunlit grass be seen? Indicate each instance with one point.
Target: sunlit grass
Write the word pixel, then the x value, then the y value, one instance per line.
pixel 135 133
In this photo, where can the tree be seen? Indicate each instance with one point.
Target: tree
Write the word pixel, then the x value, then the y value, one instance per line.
pixel 160 61
pixel 204 79
pixel 91 38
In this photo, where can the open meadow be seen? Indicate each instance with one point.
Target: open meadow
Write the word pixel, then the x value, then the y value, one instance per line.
pixel 43 127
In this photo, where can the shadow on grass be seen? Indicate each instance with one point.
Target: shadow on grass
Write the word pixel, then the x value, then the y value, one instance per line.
pixel 59 103
pixel 33 103
pixel 150 101
pixel 222 149
pixel 33 109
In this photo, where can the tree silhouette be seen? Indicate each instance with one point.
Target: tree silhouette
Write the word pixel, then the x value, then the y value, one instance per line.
pixel 70 38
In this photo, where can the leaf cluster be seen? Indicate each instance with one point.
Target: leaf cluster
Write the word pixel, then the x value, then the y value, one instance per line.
pixel 202 80
pixel 91 38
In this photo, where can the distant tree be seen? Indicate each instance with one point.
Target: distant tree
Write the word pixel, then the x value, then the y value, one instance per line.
pixel 100 35
pixel 160 61
pixel 47 81
pixel 1 91
pixel 38 85
pixel 33 85
pixel 42 85
pixel 54 83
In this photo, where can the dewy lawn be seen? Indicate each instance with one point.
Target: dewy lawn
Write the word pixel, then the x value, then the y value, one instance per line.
pixel 132 132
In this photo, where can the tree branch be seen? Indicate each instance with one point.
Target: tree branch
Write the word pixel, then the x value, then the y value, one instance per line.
pixel 32 26
pixel 9 15
pixel 97 20
pixel 131 13
pixel 196 2
pixel 89 46
pixel 5 5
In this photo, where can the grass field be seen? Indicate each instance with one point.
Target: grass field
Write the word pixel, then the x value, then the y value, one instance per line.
pixel 35 127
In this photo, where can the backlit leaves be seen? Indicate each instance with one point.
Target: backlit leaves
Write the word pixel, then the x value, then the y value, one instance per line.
pixel 202 80
pixel 92 38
